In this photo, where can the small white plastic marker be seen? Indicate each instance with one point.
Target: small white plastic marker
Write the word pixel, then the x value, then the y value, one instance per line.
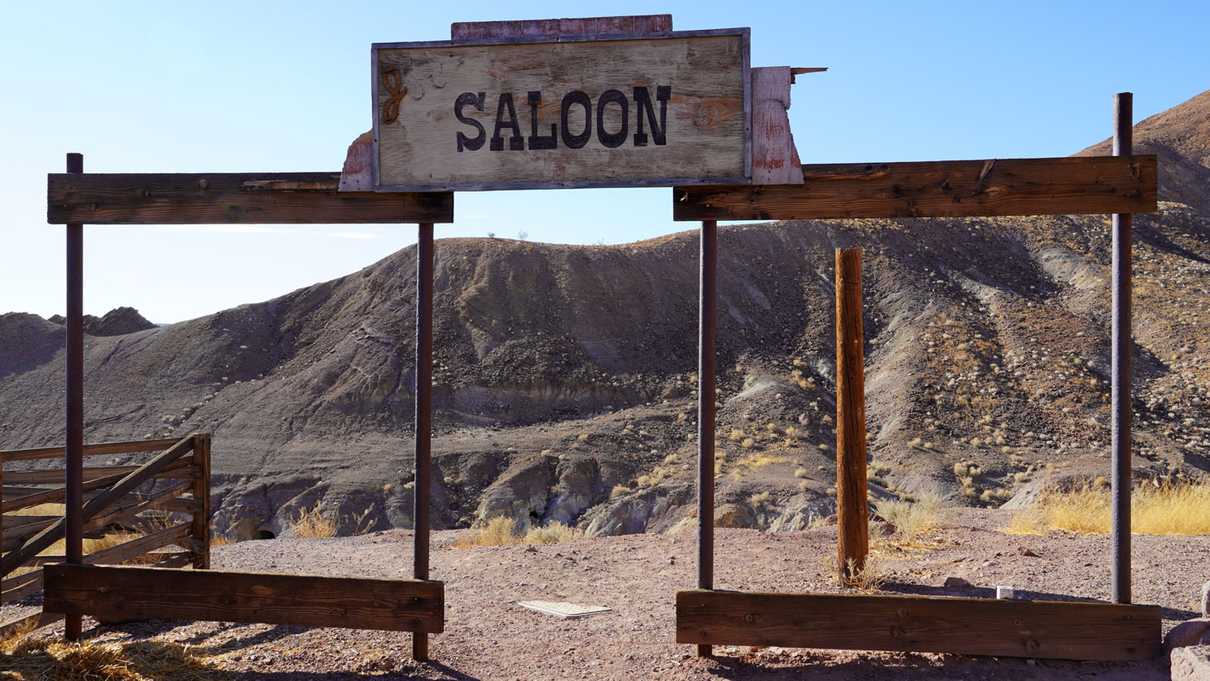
pixel 1005 593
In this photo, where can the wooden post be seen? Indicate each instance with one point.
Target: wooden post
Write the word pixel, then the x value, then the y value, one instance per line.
pixel 1122 351
pixel 1 523
pixel 201 501
pixel 74 412
pixel 852 513
pixel 707 330
pixel 424 418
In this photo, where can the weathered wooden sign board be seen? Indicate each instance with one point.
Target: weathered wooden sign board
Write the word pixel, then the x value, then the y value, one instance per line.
pixel 584 111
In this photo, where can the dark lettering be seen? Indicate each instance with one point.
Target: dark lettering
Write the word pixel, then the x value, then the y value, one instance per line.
pixel 612 139
pixel 642 104
pixel 515 142
pixel 536 141
pixel 469 98
pixel 569 140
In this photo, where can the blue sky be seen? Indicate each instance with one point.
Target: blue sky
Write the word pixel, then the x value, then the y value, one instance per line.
pixel 284 86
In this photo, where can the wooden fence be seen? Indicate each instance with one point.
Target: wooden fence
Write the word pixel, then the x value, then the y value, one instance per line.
pixel 136 510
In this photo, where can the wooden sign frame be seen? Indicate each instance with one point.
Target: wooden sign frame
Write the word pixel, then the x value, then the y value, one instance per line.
pixel 744 34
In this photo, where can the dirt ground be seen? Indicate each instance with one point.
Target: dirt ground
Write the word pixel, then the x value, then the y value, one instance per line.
pixel 487 636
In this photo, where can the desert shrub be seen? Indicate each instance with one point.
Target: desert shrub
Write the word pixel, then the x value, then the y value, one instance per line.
pixel 311 524
pixel 553 533
pixel 911 519
pixel 1167 509
pixel 502 531
pixel 758 499
pixel 869 577
pixel 800 472
pixel 618 490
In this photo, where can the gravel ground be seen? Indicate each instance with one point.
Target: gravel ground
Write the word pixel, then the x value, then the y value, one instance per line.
pixel 488 637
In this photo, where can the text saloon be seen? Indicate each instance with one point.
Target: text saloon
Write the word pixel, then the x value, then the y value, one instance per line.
pixel 592 113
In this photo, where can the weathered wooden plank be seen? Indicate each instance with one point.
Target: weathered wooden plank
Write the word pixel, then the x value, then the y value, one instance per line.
pixel 231 198
pixel 96 449
pixel 633 25
pixel 1024 186
pixel 967 626
pixel 774 157
pixel 16 588
pixel 27 623
pixel 46 476
pixel 52 496
pixel 124 593
pixel 562 112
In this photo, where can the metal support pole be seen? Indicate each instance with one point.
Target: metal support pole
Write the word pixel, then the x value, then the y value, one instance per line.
pixel 852 504
pixel 1123 350
pixel 424 418
pixel 74 445
pixel 707 329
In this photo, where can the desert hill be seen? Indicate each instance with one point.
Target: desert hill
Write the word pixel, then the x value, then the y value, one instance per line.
pixel 564 375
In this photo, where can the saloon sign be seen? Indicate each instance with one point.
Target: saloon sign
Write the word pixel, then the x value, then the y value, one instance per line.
pixel 671 109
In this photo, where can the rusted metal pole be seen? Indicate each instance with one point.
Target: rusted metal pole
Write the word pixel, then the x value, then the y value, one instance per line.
pixel 706 395
pixel 424 418
pixel 1123 349
pixel 74 445
pixel 852 511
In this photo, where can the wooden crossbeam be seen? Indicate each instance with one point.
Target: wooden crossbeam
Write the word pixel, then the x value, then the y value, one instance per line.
pixel 125 593
pixel 967 626
pixel 231 198
pixel 1025 186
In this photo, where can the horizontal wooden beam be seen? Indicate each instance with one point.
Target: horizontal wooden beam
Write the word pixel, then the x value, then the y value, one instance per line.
pixel 231 198
pixel 125 593
pixel 96 449
pixel 966 626
pixel 938 189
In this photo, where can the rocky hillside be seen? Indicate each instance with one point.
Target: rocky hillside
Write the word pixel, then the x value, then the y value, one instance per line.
pixel 564 375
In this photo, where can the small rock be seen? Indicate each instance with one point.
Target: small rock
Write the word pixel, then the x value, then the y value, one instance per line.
pixel 1187 633
pixel 1028 552
pixel 957 583
pixel 1191 664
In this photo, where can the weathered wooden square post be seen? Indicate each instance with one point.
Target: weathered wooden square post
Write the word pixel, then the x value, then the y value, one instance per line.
pixel 852 510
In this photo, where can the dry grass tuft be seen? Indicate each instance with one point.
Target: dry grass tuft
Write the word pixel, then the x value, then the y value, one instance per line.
pixel 1169 509
pixel 27 659
pixel 553 533
pixel 912 519
pixel 868 578
pixel 311 524
pixel 502 531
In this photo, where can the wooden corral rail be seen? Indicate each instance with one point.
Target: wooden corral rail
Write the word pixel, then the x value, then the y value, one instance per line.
pixel 984 188
pixel 126 593
pixel 149 501
pixel 966 626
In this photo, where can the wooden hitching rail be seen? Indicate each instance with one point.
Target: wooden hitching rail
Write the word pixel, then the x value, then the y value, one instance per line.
pixel 231 198
pixel 936 189
pixel 125 593
pixel 967 626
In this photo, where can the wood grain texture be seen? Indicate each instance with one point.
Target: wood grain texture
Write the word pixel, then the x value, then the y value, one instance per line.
pixel 200 532
pixel 98 449
pixel 124 593
pixel 1026 186
pixel 631 25
pixel 967 626
pixel 231 198
pixel 852 504
pixel 774 157
pixel 416 120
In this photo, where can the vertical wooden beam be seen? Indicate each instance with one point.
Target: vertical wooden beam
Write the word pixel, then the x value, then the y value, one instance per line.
pixel 424 417
pixel 706 396
pixel 74 412
pixel 2 459
pixel 1123 349
pixel 852 513
pixel 201 499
